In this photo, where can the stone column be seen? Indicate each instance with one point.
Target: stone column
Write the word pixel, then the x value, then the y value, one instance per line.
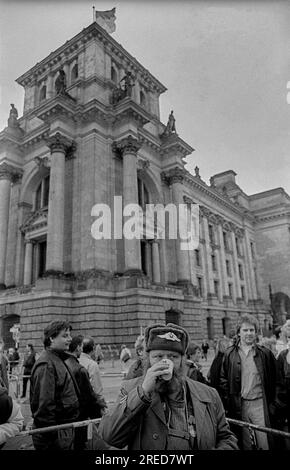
pixel 249 265
pixel 58 145
pixel 128 148
pixel 13 230
pixel 49 86
pixel 28 259
pixel 176 178
pixel 235 266
pixel 223 267
pixel 6 175
pixel 155 261
pixel 210 286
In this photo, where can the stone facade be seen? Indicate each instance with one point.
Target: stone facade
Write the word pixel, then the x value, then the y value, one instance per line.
pixel 87 145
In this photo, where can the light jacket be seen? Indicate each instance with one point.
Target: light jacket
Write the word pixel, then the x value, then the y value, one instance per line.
pixel 140 424
pixel 14 424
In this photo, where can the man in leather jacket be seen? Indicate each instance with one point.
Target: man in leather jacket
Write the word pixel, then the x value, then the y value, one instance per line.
pixel 53 398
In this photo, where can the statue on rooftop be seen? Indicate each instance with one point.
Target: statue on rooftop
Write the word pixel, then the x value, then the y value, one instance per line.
pixel 13 117
pixel 60 83
pixel 128 80
pixel 170 127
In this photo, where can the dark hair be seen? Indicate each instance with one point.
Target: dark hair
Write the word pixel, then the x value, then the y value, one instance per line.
pixel 75 342
pixel 88 345
pixel 247 318
pixel 30 345
pixel 53 330
pixel 191 349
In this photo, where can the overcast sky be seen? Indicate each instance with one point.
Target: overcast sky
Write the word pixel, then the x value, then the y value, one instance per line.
pixel 225 64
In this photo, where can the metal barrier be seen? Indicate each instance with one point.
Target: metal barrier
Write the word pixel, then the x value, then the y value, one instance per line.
pixel 77 424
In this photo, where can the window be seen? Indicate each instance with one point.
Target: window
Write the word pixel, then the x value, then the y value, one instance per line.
pixel 238 246
pixel 144 260
pixel 243 292
pixel 211 233
pixel 228 267
pixel 74 73
pixel 216 288
pixel 197 258
pixel 225 239
pixel 42 194
pixel 200 286
pixel 252 250
pixel 241 272
pixel 230 290
pixel 42 258
pixel 42 94
pixel 213 262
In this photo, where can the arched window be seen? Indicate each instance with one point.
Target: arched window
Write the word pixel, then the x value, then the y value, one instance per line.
pixel 142 99
pixel 114 76
pixel 74 73
pixel 42 194
pixel 42 94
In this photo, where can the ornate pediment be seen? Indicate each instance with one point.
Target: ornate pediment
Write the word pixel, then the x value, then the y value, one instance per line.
pixel 35 221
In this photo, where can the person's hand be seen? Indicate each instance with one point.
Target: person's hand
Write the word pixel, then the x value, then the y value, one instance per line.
pixel 158 369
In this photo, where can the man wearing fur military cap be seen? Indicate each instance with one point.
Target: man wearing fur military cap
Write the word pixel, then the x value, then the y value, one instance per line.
pixel 163 409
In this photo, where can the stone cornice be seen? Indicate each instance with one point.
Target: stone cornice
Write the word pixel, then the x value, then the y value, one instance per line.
pixel 267 218
pixel 129 109
pixel 35 137
pixel 216 218
pixel 58 106
pixel 196 183
pixel 59 143
pixel 10 173
pixel 68 51
pixel 174 144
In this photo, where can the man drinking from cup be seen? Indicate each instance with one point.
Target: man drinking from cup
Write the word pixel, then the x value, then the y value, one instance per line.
pixel 163 409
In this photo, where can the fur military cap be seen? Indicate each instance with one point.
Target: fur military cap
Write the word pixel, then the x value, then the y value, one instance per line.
pixel 166 337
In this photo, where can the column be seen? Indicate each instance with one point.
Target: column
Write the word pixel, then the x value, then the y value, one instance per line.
pixel 13 231
pixel 155 261
pixel 49 86
pixel 128 148
pixel 210 286
pixel 249 262
pixel 235 266
pixel 58 145
pixel 28 259
pixel 223 268
pixel 176 177
pixel 5 188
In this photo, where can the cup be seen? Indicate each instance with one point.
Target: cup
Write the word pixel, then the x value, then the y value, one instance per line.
pixel 168 374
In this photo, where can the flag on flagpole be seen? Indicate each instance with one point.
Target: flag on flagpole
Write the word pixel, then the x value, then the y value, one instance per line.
pixel 106 19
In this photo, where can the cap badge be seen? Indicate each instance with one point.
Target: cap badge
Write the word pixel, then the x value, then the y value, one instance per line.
pixel 169 336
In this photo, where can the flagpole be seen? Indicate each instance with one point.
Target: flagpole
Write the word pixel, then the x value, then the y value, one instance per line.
pixel 94 14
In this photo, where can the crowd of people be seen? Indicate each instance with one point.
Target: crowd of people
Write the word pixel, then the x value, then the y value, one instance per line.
pixel 165 401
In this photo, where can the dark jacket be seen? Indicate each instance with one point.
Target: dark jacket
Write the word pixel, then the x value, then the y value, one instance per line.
pixel 214 372
pixel 194 373
pixel 230 380
pixel 282 401
pixel 28 363
pixel 4 373
pixel 140 424
pixel 91 404
pixel 53 398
